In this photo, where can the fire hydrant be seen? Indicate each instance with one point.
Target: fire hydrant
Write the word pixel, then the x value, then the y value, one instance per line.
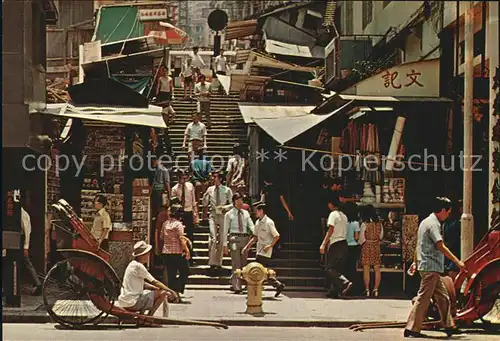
pixel 255 275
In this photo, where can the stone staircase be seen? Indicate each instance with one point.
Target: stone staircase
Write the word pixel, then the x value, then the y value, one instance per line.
pixel 228 127
pixel 298 263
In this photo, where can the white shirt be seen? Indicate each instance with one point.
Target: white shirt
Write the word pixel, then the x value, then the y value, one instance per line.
pixel 265 231
pixel 133 284
pixel 220 63
pixel 225 198
pixel 231 224
pixel 195 131
pixel 26 228
pixel 236 166
pixel 165 84
pixel 197 60
pixel 189 197
pixel 338 220
pixel 102 221
pixel 201 90
pixel 187 70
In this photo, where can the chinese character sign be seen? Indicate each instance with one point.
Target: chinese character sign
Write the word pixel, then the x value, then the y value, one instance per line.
pixel 12 210
pixel 410 80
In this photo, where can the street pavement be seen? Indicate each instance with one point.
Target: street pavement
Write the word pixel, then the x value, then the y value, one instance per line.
pixel 293 309
pixel 43 332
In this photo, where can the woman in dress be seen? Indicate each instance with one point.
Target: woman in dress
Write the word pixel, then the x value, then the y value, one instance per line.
pixel 370 236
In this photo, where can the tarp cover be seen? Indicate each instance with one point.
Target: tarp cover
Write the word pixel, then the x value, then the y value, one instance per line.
pixel 118 23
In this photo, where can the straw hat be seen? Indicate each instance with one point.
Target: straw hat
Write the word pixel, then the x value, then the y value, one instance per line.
pixel 141 248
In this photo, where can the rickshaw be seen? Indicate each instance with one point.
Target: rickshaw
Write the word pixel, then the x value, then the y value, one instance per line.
pixel 81 289
pixel 477 289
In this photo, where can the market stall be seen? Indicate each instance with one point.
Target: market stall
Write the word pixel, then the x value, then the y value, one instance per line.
pixel 112 136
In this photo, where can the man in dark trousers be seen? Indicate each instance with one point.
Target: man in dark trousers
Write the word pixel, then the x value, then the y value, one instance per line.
pixel 185 192
pixel 26 234
pixel 337 250
pixel 266 236
pixel 431 252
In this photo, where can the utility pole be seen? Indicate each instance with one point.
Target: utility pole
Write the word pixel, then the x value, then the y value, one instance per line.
pixel 467 222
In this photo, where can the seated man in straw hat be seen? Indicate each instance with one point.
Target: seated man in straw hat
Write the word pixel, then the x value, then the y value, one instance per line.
pixel 140 290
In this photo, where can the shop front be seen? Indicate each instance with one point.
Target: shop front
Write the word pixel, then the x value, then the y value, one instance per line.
pixel 113 157
pixel 386 138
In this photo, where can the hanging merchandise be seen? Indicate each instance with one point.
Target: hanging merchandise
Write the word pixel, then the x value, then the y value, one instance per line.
pixel 496 161
pixel 496 192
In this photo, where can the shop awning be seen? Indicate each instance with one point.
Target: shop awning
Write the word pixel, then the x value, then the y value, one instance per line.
pixel 338 99
pixel 168 34
pixel 253 111
pixel 149 117
pixel 283 123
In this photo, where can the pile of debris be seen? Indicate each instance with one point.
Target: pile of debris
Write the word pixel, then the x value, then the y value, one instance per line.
pixel 284 60
pixel 56 91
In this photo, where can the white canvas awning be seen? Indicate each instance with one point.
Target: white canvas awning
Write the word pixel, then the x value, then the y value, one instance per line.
pixel 284 123
pixel 225 81
pixel 252 111
pixel 150 117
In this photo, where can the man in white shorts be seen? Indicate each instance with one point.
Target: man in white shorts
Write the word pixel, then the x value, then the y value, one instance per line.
pixel 140 290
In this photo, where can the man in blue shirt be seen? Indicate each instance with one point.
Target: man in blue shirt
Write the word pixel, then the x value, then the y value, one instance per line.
pixel 431 251
pixel 238 227
pixel 201 169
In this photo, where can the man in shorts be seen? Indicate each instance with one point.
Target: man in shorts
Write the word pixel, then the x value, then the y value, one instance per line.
pixel 140 290
pixel 187 77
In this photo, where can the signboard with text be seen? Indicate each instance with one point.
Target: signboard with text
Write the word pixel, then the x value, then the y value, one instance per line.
pixel 153 14
pixel 416 79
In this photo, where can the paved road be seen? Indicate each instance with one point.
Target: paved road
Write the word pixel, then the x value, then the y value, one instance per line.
pixel 39 332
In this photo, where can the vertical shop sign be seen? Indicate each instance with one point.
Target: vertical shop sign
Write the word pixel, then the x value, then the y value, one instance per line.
pixel 11 244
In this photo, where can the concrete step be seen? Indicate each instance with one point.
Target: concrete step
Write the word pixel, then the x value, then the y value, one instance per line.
pixel 284 254
pixel 281 271
pixel 289 288
pixel 278 262
pixel 292 281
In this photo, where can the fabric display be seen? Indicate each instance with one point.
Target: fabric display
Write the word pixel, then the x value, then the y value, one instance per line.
pixel 410 228
pixel 363 138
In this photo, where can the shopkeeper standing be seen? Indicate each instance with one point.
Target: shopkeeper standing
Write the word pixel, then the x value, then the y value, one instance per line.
pixel 102 222
pixel 25 240
pixel 160 185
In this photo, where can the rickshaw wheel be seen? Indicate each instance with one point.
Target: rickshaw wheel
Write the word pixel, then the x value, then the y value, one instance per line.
pixel 69 292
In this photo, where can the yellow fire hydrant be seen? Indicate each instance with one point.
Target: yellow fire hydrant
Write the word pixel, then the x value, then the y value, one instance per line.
pixel 255 275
